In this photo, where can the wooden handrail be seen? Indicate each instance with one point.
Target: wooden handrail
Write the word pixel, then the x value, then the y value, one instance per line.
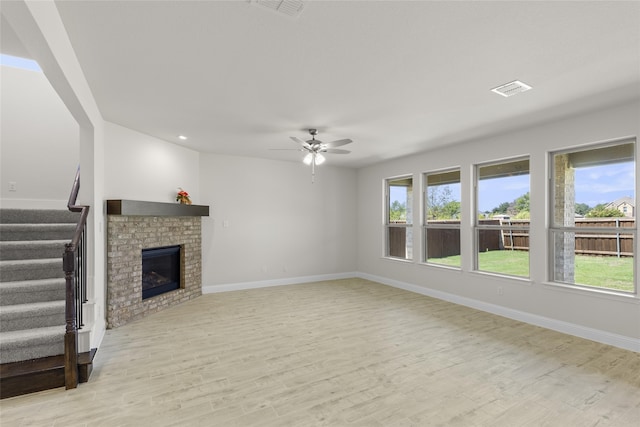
pixel 74 266
pixel 73 197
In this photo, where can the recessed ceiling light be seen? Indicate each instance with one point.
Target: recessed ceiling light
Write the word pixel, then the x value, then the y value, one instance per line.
pixel 182 137
pixel 511 88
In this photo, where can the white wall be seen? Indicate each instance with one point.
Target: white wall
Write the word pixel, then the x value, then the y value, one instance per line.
pixel 39 148
pixel 141 167
pixel 268 221
pixel 601 316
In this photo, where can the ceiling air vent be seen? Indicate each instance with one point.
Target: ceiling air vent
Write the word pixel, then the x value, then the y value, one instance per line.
pixel 510 89
pixel 291 8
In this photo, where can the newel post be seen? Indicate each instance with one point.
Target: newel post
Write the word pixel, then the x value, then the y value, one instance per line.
pixel 71 332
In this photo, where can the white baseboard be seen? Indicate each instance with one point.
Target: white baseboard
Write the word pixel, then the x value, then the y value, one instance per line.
pixel 621 341
pixel 212 289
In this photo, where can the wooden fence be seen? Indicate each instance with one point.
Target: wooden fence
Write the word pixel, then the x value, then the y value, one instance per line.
pixel 398 240
pixel 619 244
pixel 445 242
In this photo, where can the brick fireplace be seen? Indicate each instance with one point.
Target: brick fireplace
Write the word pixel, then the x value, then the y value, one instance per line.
pixel 134 226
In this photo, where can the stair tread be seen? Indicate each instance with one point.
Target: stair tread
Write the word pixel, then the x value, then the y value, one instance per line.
pixel 35 283
pixel 21 249
pixel 42 261
pixel 33 242
pixel 28 291
pixel 30 226
pixel 47 333
pixel 21 216
pixel 48 231
pixel 42 305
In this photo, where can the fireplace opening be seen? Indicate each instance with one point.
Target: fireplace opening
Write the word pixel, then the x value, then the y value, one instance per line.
pixel 160 270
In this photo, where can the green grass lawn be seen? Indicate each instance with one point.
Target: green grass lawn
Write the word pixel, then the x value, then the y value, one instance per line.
pixel 599 271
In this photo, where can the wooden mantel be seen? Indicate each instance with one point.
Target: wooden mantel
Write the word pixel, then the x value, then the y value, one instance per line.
pixel 141 208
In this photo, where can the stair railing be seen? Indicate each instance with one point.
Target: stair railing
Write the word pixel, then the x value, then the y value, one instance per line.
pixel 74 264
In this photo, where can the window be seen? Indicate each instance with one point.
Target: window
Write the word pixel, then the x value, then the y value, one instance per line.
pixel 502 222
pixel 591 239
pixel 399 212
pixel 441 223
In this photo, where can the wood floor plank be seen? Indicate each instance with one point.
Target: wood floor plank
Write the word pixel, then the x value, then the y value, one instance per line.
pixel 340 353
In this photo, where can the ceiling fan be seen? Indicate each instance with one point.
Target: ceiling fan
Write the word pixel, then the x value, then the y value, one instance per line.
pixel 315 148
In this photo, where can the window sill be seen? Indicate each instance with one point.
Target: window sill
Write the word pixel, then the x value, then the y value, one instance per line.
pixel 443 266
pixel 403 260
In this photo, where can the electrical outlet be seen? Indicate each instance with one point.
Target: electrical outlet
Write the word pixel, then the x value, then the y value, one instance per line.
pixel 13 186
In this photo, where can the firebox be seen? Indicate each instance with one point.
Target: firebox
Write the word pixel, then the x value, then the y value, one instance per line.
pixel 160 270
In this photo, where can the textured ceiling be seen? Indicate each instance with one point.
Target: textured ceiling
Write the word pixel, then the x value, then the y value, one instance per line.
pixel 396 77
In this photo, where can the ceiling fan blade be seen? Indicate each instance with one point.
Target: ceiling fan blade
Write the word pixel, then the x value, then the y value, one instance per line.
pixel 286 149
pixel 336 151
pixel 301 142
pixel 338 143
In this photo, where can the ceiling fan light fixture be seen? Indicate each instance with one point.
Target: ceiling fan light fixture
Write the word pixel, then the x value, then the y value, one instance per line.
pixel 308 159
pixel 314 149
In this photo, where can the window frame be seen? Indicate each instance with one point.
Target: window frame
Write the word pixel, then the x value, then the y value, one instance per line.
pixel 479 228
pixel 554 228
pixel 426 226
pixel 387 218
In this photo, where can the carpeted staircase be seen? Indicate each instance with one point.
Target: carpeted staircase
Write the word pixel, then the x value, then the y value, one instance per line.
pixel 32 288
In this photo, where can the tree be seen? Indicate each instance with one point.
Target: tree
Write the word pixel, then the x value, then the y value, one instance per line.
pixel 502 208
pixel 450 210
pixel 440 205
pixel 518 209
pixel 522 203
pixel 398 211
pixel 601 211
pixel 582 208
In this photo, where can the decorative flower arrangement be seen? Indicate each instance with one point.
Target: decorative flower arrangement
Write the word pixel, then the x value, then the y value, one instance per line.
pixel 183 197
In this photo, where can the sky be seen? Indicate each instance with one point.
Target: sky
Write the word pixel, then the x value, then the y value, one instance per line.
pixel 604 184
pixel 15 62
pixel 594 185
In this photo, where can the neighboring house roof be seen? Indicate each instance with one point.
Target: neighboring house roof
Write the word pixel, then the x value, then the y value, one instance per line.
pixel 621 201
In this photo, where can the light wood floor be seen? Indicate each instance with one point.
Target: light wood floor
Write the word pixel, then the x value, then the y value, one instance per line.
pixel 346 352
